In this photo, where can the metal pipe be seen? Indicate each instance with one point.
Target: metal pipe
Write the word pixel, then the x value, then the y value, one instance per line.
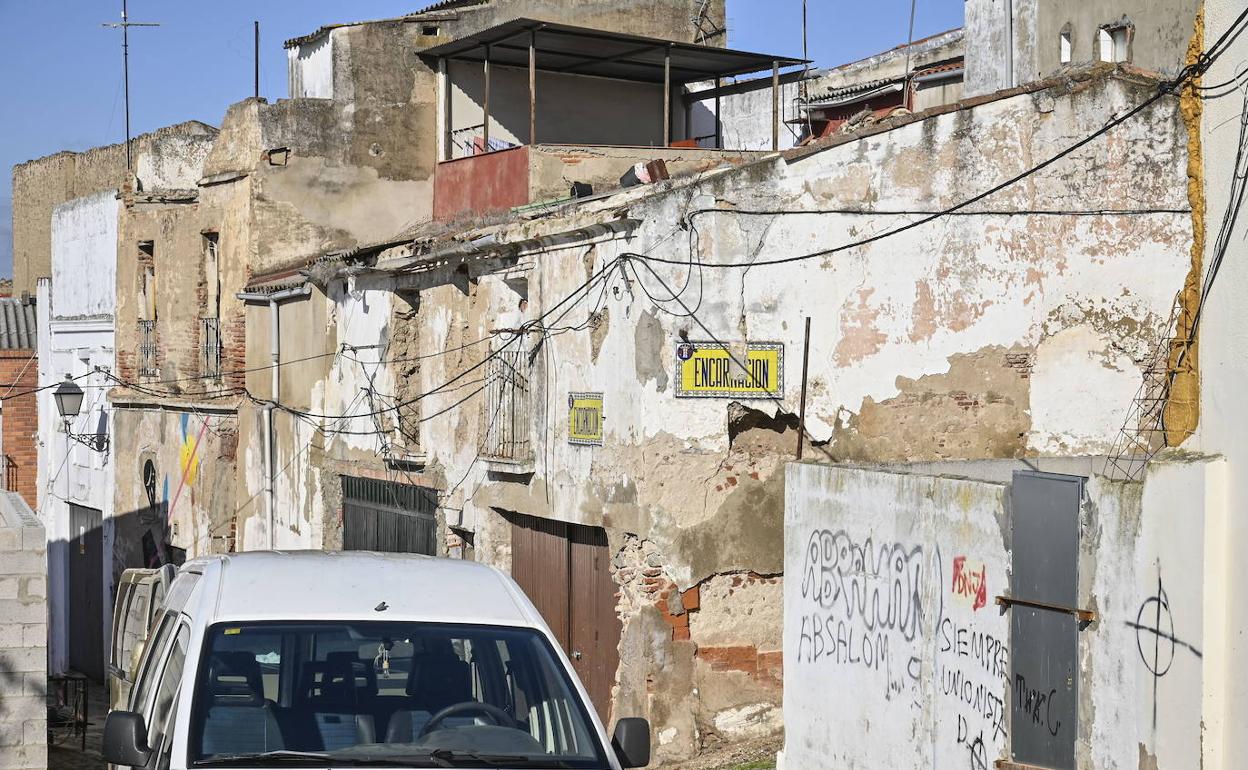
pixel 667 97
pixel 775 106
pixel 275 383
pixel 257 57
pixel 719 136
pixel 1009 43
pixel 533 87
pixel 485 102
pixel 801 412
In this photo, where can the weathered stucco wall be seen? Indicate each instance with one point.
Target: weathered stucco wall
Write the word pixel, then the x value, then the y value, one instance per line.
pixel 870 558
pixel 921 349
pixel 166 158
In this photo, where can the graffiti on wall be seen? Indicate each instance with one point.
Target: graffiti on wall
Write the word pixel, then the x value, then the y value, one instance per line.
pixel 861 600
pixel 972 664
pixel 1155 637
pixel 188 460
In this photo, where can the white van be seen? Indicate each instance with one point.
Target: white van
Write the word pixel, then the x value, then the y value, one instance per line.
pixel 353 659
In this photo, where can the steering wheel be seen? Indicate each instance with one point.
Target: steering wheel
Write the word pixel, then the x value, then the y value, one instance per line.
pixel 498 716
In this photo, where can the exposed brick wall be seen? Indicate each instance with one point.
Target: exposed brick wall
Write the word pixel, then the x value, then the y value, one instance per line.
pixel 19 373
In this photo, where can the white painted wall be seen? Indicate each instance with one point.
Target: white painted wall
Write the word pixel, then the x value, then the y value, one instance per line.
pixel 1151 558
pixel 1224 375
pixel 745 117
pixel 84 249
pixel 76 335
pixel 310 68
pixel 885 665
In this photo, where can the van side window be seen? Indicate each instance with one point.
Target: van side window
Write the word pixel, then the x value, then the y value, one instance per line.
pixel 153 655
pixel 159 721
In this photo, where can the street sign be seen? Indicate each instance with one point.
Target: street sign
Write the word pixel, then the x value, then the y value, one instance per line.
pixel 585 419
pixel 710 370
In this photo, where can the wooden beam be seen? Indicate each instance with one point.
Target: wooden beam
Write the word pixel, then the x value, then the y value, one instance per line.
pixel 533 87
pixel 667 97
pixel 485 102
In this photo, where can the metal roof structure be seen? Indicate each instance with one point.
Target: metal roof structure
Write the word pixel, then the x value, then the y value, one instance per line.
pixel 584 51
pixel 17 324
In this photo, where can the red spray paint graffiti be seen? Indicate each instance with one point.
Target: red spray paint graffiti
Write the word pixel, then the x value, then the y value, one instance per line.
pixel 970 582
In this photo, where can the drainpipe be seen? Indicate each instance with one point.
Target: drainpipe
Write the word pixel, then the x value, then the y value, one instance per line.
pixel 275 369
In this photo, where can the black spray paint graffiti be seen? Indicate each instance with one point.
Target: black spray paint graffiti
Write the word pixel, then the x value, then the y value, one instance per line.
pixel 1155 639
pixel 1036 704
pixel 881 588
pixel 974 745
pixel 867 597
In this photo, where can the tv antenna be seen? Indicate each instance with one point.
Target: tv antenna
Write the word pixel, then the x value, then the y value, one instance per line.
pixel 125 26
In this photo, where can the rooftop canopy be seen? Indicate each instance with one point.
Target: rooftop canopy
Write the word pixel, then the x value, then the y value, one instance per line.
pixel 583 51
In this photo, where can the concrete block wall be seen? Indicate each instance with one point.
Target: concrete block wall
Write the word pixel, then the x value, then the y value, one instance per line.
pixel 23 636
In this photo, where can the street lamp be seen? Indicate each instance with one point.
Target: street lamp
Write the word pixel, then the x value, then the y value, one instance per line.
pixel 68 398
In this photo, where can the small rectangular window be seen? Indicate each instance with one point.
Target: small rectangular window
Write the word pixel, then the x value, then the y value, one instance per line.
pixel 1066 47
pixel 1113 44
pixel 429 30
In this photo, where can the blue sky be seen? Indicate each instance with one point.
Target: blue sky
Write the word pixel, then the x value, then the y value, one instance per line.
pixel 63 69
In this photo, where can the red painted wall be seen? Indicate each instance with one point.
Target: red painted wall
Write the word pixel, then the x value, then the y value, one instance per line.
pixel 480 184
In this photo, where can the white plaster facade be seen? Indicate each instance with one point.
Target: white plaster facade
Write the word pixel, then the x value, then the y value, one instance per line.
pixel 869 556
pixel 76 339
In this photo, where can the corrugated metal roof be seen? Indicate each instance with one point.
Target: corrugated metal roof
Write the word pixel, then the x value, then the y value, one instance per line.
pixel 17 324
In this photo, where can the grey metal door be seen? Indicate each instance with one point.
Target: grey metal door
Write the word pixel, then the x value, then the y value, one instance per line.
pixel 385 516
pixel 86 591
pixel 1044 642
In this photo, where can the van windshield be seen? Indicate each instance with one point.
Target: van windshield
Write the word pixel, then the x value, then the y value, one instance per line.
pixel 408 694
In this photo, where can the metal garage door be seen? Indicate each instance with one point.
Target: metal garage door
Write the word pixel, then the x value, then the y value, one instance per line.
pixel 386 516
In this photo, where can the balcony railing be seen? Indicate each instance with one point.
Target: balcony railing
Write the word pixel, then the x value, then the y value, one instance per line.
pixel 507 418
pixel 210 348
pixel 147 348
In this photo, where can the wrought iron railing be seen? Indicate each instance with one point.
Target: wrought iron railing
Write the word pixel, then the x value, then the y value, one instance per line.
pixel 147 348
pixel 210 348
pixel 507 418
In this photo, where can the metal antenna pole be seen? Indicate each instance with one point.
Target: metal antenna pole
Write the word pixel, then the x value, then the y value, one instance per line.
pixel 125 26
pixel 257 92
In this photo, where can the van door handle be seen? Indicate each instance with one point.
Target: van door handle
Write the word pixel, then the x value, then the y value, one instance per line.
pixel 576 655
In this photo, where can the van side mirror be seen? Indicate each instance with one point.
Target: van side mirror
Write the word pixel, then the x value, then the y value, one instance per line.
pixel 631 742
pixel 125 739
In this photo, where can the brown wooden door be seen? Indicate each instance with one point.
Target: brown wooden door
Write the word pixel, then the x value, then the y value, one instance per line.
pixel 565 571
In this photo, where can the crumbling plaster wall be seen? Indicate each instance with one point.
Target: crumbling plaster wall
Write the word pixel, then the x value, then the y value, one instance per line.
pixel 193 454
pixel 994 335
pixel 1151 556
pixel 165 158
pixel 663 19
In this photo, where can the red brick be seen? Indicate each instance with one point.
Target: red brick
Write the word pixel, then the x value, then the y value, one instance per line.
pixel 691 599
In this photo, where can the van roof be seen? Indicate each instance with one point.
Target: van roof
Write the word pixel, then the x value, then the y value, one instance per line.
pixel 352 585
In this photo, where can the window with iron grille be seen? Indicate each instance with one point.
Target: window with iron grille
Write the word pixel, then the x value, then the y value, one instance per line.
pixel 210 348
pixel 508 408
pixel 147 348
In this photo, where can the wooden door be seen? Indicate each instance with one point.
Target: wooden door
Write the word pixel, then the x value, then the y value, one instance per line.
pixel 565 571
pixel 86 592
pixel 594 628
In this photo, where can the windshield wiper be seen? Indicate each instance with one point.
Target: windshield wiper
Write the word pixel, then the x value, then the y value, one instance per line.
pixel 456 758
pixel 297 757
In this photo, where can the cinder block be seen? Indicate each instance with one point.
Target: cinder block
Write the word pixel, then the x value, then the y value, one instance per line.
pixel 10 636
pixel 8 586
pixel 32 588
pixel 24 659
pixel 11 734
pixel 23 707
pixel 24 757
pixel 35 540
pixel 10 539
pixel 35 683
pixel 17 611
pixel 35 635
pixel 23 563
pixel 36 730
